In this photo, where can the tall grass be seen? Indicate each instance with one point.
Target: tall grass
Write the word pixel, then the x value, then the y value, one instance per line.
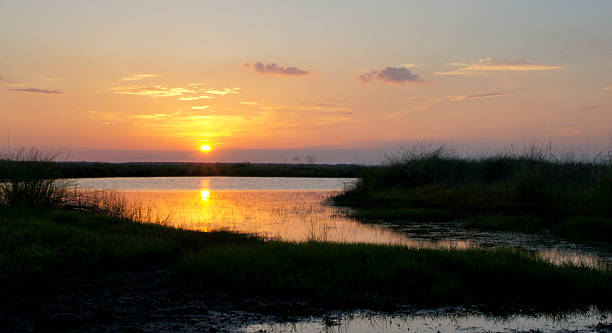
pixel 533 181
pixel 31 178
pixel 34 179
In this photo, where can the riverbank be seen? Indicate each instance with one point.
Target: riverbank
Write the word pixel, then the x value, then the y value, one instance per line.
pixel 46 249
pixel 532 192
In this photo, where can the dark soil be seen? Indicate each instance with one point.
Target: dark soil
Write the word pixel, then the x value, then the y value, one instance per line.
pixel 135 302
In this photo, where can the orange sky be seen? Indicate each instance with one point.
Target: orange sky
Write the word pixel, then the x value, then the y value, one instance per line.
pixel 151 76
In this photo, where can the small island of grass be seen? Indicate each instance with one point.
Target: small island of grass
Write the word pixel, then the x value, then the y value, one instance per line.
pixel 532 192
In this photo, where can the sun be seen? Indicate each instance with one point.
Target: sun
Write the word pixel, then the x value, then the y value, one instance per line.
pixel 205 148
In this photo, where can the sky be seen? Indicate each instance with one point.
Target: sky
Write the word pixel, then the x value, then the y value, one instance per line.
pixel 282 81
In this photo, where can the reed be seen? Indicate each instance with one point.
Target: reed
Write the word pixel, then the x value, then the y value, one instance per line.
pixel 31 178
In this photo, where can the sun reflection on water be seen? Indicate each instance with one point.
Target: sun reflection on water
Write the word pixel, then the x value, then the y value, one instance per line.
pixel 205 195
pixel 301 216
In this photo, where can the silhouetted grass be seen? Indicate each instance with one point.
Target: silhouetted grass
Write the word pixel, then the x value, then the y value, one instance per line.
pixel 31 178
pixel 503 187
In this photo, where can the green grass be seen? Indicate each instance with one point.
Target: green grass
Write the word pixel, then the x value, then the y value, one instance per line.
pixel 41 246
pixel 355 273
pixel 44 248
pixel 527 192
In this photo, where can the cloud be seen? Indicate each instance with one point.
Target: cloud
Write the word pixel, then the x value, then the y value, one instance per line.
pixel 151 91
pixel 36 90
pixel 193 98
pixel 489 64
pixel 224 91
pixel 274 69
pixel 200 107
pixel 399 75
pixel 608 88
pixel 479 96
pixel 191 93
pixel 137 77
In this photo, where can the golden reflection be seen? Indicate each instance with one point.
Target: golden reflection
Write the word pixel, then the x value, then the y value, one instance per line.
pixel 286 215
pixel 205 195
pixel 294 216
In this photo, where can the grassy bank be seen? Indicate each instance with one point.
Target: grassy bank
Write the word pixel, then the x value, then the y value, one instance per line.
pixel 529 192
pixel 44 248
pixel 41 247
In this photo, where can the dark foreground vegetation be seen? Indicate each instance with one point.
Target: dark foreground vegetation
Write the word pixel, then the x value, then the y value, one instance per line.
pixel 43 249
pixel 53 241
pixel 531 191
pixel 180 169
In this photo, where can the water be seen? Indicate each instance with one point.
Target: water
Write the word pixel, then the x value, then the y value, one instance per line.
pixel 294 209
pixel 443 320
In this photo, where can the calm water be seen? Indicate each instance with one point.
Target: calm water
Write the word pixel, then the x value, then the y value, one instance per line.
pixel 443 320
pixel 294 209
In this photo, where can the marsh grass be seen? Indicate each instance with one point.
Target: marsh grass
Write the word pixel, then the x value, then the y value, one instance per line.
pixel 335 273
pixel 505 187
pixel 45 248
pixel 42 247
pixel 31 178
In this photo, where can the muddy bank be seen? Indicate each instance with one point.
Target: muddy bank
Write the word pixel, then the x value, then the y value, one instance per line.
pixel 136 302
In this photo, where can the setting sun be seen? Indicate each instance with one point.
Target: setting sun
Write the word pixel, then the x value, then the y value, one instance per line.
pixel 205 148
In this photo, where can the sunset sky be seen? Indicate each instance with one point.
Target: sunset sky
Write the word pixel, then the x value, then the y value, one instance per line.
pixel 269 80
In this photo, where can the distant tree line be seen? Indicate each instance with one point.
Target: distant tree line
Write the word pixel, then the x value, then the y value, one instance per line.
pixel 178 169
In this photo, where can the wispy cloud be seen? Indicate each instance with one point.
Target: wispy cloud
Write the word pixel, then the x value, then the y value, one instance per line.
pixel 224 91
pixel 151 91
pixel 193 98
pixel 274 69
pixel 36 90
pixel 192 93
pixel 398 75
pixel 489 64
pixel 136 77
pixel 200 107
pixel 478 96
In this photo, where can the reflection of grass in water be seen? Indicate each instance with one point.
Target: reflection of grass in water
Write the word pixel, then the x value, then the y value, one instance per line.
pixel 443 320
